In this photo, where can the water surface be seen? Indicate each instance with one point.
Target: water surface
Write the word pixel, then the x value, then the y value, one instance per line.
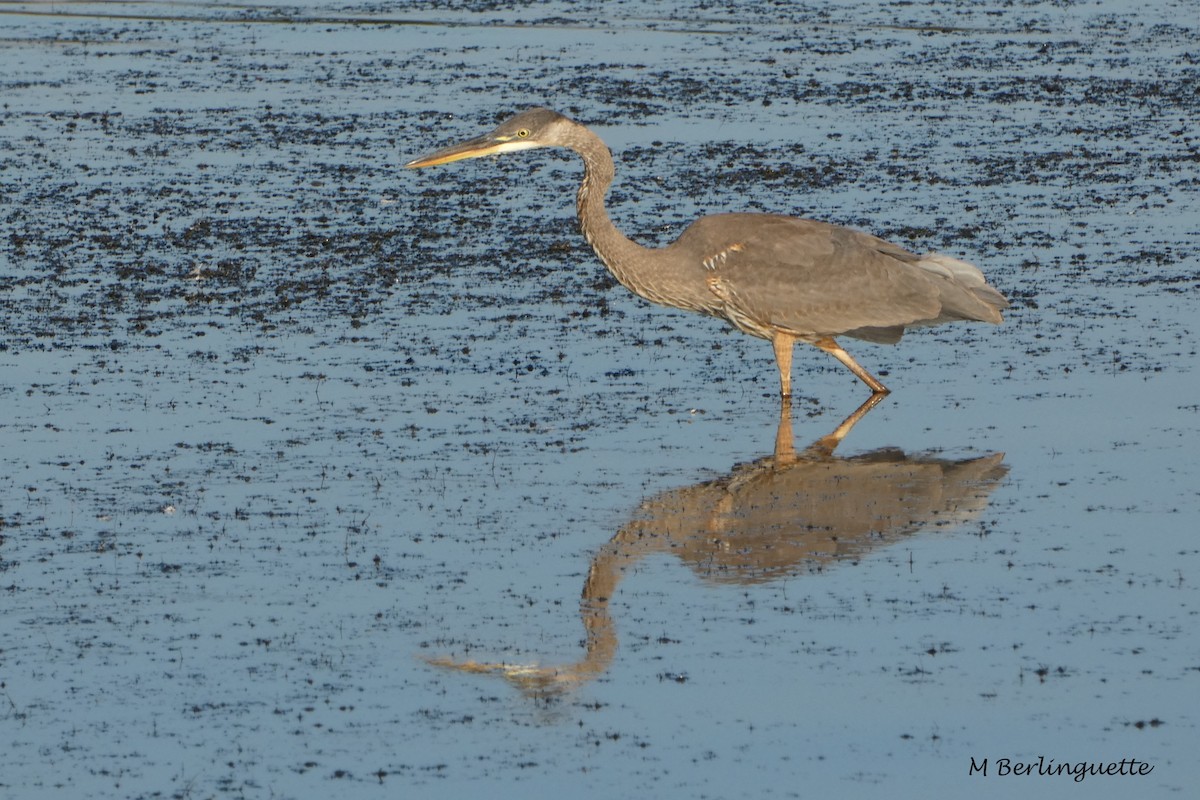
pixel 286 427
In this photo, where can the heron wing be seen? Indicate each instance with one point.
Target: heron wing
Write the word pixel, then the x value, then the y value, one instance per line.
pixel 811 278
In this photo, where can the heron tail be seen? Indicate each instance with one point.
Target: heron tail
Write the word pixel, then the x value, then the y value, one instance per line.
pixel 972 297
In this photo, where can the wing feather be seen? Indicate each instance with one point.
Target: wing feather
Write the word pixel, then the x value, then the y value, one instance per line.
pixel 809 277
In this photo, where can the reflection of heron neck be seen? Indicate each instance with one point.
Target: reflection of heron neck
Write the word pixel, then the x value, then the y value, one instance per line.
pixel 608 567
pixel 601 645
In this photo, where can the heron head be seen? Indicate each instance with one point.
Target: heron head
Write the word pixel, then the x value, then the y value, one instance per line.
pixel 537 127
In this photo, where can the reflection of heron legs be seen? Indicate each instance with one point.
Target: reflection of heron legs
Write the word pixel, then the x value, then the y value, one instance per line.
pixel 785 450
pixel 785 446
pixel 834 349
pixel 826 444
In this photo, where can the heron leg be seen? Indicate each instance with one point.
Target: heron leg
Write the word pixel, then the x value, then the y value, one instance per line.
pixel 834 349
pixel 784 344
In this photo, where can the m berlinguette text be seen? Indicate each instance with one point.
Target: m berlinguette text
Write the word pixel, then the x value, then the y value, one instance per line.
pixel 1078 770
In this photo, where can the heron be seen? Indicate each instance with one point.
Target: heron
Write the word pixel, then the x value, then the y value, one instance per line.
pixel 780 278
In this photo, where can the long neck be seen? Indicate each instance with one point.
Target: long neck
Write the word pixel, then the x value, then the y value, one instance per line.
pixel 619 253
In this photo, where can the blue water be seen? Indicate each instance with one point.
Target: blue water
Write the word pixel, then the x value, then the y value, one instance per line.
pixel 232 530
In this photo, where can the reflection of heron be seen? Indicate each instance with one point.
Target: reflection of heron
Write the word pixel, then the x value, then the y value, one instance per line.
pixel 785 513
pixel 779 278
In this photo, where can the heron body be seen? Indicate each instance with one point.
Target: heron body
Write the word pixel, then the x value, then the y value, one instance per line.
pixel 780 278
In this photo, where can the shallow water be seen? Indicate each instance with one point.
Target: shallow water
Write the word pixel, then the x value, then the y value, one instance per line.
pixel 287 429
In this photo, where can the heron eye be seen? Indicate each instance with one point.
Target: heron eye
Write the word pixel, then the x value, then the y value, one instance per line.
pixel 521 134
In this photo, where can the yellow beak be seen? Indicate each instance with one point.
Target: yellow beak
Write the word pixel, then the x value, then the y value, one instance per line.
pixel 478 147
